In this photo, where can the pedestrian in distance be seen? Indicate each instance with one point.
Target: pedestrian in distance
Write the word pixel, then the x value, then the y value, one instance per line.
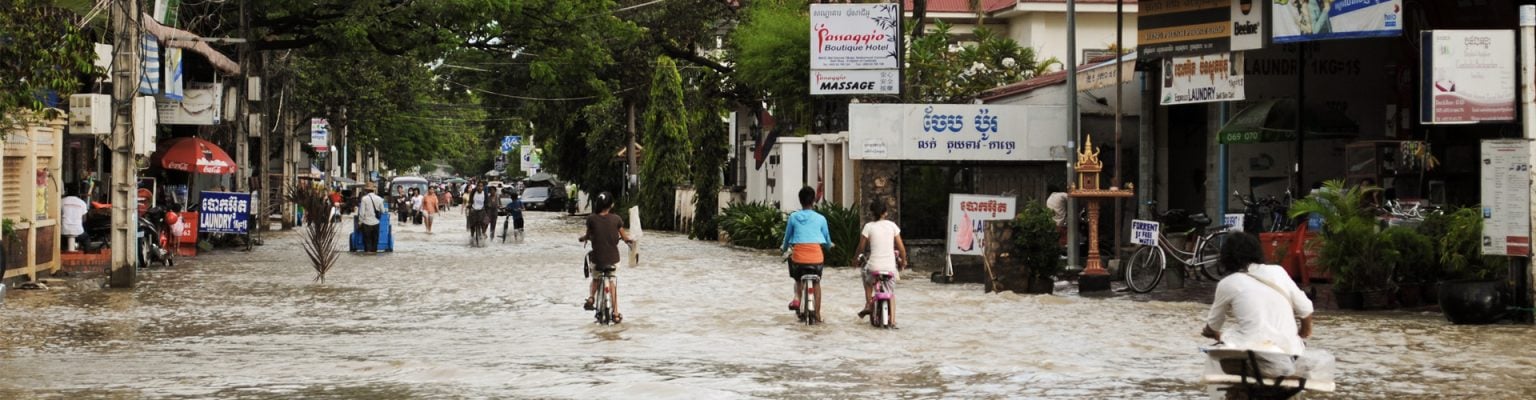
pixel 429 207
pixel 370 210
pixel 806 240
pixel 605 230
pixel 887 253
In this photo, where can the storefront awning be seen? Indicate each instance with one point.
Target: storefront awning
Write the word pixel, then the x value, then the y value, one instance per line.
pixel 1275 121
pixel 194 155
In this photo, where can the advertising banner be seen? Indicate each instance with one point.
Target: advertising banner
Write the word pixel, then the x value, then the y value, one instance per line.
pixel 1306 20
pixel 319 134
pixel 968 214
pixel 1468 76
pixel 854 81
pixel 225 212
pixel 199 105
pixel 1202 79
pixel 509 143
pixel 1247 25
pixel 1183 27
pixel 1144 232
pixel 174 78
pixel 855 36
pixel 1506 197
pixel 974 132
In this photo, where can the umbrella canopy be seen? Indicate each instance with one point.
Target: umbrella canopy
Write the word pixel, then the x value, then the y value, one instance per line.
pixel 1275 121
pixel 195 155
pixel 540 177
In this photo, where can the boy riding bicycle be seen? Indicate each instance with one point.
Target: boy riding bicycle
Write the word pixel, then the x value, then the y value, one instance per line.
pixel 605 230
pixel 887 253
pixel 806 238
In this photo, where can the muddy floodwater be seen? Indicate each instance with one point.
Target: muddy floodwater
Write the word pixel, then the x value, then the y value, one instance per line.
pixel 438 319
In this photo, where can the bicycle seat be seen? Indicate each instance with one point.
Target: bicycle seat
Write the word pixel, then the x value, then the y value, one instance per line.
pixel 882 274
pixel 1200 219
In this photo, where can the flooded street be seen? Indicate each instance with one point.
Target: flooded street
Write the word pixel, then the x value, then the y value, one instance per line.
pixel 437 319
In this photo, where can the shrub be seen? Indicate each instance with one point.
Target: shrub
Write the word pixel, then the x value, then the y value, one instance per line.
pixel 1036 240
pixel 1460 248
pixel 1416 261
pixel 843 224
pixel 758 225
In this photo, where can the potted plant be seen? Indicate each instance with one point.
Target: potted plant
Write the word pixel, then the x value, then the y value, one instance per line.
pixel 1416 264
pixel 1354 250
pixel 1471 289
pixel 1037 246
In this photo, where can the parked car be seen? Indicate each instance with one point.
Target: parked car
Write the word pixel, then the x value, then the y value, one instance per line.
pixel 544 198
pixel 506 200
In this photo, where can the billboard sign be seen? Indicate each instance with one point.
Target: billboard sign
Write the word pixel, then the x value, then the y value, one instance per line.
pixel 1247 25
pixel 225 212
pixel 1468 76
pixel 1307 20
pixel 968 214
pixel 855 81
pixel 319 134
pixel 1183 27
pixel 1202 79
pixel 855 36
pixel 1506 195
pixel 971 132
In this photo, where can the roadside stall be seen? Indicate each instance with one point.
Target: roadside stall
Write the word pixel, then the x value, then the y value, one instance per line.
pixel 196 157
pixel 29 199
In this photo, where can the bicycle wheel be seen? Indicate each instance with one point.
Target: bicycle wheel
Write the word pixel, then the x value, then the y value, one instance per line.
pixel 1208 256
pixel 1145 269
pixel 604 313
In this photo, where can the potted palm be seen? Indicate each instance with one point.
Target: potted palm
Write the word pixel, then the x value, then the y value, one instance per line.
pixel 1471 289
pixel 1037 246
pixel 1354 249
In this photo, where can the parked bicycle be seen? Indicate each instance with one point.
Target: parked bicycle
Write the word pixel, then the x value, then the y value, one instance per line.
pixel 1267 214
pixel 1146 266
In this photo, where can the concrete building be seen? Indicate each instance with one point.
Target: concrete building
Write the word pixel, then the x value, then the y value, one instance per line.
pixel 1039 24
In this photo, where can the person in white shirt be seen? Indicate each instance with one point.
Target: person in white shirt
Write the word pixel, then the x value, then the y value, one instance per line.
pixel 1257 307
pixel 369 208
pixel 1057 202
pixel 416 202
pixel 72 215
pixel 887 253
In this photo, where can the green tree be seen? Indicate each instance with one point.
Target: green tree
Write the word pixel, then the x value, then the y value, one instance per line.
pixel 941 69
pixel 772 53
pixel 43 55
pixel 666 146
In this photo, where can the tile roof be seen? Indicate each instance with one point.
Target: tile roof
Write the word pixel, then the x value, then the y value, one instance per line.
pixel 964 6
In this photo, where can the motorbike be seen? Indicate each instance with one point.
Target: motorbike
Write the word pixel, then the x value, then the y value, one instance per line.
pixel 1232 373
pixel 154 234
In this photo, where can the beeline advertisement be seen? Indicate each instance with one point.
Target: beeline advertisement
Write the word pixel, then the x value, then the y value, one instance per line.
pixel 1468 76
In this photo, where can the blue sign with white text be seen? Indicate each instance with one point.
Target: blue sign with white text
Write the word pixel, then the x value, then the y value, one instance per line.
pixel 508 143
pixel 224 212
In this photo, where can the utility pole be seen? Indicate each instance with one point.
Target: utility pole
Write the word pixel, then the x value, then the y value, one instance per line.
pixel 1073 261
pixel 124 182
pixel 243 104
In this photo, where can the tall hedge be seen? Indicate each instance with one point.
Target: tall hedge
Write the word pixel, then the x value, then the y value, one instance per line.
pixel 666 147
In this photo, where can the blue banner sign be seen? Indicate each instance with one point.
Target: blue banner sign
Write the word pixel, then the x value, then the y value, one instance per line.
pixel 224 212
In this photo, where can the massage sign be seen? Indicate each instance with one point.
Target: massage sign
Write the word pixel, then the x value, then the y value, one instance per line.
pixel 855 49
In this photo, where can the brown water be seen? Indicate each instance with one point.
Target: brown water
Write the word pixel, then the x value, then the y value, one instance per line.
pixel 437 319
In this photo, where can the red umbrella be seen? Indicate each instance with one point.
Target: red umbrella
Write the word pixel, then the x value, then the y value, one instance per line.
pixel 195 155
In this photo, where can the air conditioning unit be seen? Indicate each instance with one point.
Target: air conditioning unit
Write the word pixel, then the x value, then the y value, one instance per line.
pixel 90 114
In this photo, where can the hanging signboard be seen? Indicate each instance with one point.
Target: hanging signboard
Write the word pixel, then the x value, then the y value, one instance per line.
pixel 1202 79
pixel 1144 232
pixel 1468 76
pixel 174 82
pixel 1506 197
pixel 1305 20
pixel 509 143
pixel 319 134
pixel 1247 25
pixel 855 36
pixel 1234 222
pixel 1103 75
pixel 199 105
pixel 974 132
pixel 968 214
pixel 1183 27
pixel 833 82
pixel 225 212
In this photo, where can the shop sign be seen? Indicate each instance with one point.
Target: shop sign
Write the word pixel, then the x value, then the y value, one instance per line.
pixel 509 143
pixel 968 214
pixel 319 134
pixel 1247 24
pixel 1202 79
pixel 1234 222
pixel 874 81
pixel 959 132
pixel 1506 197
pixel 225 212
pixel 1182 27
pixel 1468 76
pixel 199 105
pixel 1306 20
pixel 1144 232
pixel 855 36
pixel 1103 75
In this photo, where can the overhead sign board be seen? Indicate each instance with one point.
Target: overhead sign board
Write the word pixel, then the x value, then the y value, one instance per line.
pixel 1306 20
pixel 319 134
pixel 510 143
pixel 1468 76
pixel 1202 79
pixel 1506 197
pixel 972 132
pixel 854 81
pixel 855 36
pixel 1183 27
pixel 1247 25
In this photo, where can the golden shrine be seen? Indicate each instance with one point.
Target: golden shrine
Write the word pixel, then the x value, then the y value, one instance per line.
pixel 1094 276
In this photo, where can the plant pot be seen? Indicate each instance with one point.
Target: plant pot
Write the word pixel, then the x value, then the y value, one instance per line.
pixel 1379 299
pixel 1430 294
pixel 1040 285
pixel 1350 300
pixel 1410 295
pixel 1471 301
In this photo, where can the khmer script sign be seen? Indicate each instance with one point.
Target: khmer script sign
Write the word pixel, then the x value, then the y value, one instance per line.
pixel 981 132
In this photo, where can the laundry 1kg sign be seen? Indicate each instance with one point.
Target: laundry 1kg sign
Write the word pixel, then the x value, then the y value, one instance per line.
pixel 224 212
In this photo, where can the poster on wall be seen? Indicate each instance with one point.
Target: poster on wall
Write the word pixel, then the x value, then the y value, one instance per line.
pixel 1183 27
pixel 1202 79
pixel 855 36
pixel 1506 197
pixel 1468 76
pixel 968 214
pixel 1307 20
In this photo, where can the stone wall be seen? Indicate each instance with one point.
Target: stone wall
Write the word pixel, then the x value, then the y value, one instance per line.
pixel 878 179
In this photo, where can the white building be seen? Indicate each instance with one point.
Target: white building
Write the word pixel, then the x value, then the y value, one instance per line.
pixel 1039 24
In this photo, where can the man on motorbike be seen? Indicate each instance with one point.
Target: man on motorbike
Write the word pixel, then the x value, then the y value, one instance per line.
pixel 1264 307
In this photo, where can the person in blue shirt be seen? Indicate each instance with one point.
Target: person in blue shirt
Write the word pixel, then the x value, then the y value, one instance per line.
pixel 806 239
pixel 515 209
